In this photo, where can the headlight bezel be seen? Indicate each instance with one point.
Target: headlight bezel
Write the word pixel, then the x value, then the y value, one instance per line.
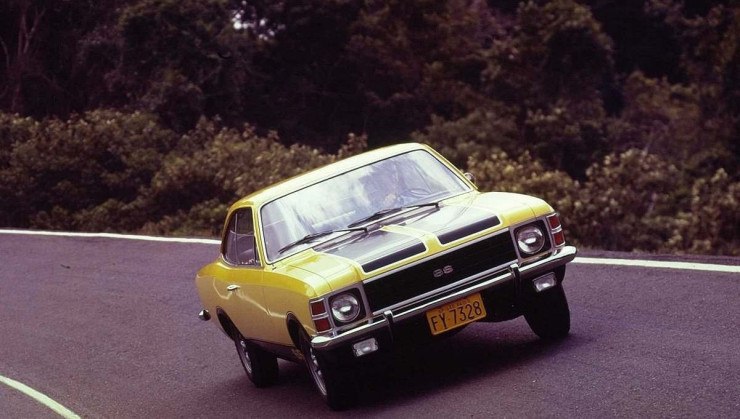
pixel 352 298
pixel 536 230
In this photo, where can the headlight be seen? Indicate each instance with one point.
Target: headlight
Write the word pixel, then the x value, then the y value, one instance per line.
pixel 345 307
pixel 530 239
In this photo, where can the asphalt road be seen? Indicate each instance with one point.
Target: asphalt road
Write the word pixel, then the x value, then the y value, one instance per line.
pixel 108 328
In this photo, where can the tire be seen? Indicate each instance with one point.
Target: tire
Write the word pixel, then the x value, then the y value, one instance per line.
pixel 261 366
pixel 548 314
pixel 335 385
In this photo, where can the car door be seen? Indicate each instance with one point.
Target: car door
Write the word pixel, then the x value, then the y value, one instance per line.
pixel 241 283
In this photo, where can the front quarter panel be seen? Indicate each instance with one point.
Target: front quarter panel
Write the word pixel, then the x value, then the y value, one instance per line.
pixel 245 305
pixel 287 292
pixel 513 208
pixel 210 296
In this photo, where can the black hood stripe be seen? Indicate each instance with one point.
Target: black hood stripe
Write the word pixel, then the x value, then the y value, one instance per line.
pixel 380 248
pixel 468 230
pixel 376 249
pixel 450 223
pixel 414 249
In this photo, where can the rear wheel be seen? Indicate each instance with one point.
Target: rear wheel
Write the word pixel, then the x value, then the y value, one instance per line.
pixel 334 384
pixel 548 314
pixel 261 367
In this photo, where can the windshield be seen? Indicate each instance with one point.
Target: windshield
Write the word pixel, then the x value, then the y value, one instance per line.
pixel 404 180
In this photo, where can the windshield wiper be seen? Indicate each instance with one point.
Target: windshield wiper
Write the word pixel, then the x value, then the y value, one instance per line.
pixel 313 236
pixel 382 213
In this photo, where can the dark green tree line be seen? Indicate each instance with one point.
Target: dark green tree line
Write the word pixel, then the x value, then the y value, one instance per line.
pixel 143 89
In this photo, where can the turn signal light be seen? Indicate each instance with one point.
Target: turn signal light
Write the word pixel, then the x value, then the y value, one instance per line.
pixel 319 315
pixel 318 308
pixel 559 238
pixel 322 324
pixel 554 221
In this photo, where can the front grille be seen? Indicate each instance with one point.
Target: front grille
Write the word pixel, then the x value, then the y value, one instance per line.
pixel 434 273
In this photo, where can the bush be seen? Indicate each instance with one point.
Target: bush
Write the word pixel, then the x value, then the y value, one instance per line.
pixel 216 166
pixel 712 225
pixel 526 175
pixel 480 132
pixel 629 202
pixel 671 120
pixel 110 171
pixel 13 130
pixel 57 169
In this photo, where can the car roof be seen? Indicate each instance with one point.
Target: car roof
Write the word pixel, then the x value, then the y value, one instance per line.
pixel 325 172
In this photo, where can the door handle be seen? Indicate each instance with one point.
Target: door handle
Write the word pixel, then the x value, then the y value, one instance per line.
pixel 232 287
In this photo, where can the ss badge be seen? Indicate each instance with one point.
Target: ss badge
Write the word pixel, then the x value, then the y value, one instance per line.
pixel 444 271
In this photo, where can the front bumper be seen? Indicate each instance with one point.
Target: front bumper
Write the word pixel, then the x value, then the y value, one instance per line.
pixel 385 322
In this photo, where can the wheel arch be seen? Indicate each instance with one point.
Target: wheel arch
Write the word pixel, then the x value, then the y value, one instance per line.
pixel 228 327
pixel 294 329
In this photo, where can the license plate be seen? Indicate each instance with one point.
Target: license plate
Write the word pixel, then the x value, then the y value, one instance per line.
pixel 456 314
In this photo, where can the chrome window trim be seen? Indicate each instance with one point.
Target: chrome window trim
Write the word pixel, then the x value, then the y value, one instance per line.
pixel 222 253
pixel 258 266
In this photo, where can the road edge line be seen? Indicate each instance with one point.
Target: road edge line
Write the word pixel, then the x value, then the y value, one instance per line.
pixel 689 266
pixel 110 236
pixel 708 267
pixel 39 397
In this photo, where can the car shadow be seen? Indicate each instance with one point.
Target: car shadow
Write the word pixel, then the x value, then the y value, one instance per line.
pixel 420 371
pixel 473 353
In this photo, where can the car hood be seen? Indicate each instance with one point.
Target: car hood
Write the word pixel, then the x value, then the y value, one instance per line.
pixel 412 235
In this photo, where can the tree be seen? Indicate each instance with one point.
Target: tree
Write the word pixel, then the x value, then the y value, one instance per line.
pixel 545 79
pixel 178 59
pixel 305 86
pixel 20 56
pixel 710 59
pixel 669 120
pixel 39 43
pixel 416 59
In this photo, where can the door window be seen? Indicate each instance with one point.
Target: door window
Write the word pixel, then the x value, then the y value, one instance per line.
pixel 239 242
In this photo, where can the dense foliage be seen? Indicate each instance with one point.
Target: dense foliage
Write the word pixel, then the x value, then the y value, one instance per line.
pixel 154 115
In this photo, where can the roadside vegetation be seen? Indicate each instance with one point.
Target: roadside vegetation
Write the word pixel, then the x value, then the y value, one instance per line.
pixel 152 116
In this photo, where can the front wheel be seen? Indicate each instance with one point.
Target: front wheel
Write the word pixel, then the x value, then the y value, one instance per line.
pixel 548 315
pixel 261 367
pixel 334 384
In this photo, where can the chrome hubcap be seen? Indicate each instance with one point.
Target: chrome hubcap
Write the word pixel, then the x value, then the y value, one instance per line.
pixel 245 355
pixel 318 376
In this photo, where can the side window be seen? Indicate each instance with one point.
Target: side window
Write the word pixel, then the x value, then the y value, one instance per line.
pixel 238 246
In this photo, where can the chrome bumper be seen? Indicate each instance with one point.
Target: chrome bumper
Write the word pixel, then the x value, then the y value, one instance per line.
pixel 559 258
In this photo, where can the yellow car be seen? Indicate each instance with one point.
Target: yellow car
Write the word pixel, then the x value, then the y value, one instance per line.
pixel 337 266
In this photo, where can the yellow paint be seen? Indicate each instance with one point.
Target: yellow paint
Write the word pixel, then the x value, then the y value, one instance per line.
pixel 268 293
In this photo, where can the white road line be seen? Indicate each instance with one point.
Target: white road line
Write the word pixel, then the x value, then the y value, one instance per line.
pixel 708 267
pixel 39 397
pixel 111 236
